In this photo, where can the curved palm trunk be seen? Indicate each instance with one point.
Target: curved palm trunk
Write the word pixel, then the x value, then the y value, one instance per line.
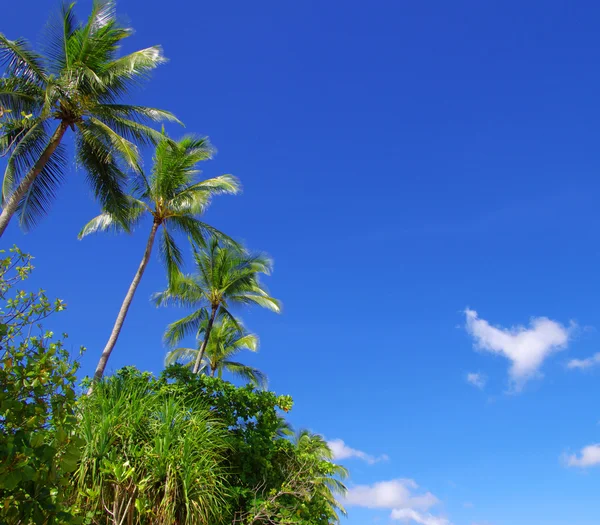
pixel 112 340
pixel 206 336
pixel 11 205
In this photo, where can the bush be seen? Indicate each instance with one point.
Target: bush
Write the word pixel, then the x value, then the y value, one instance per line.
pixel 38 446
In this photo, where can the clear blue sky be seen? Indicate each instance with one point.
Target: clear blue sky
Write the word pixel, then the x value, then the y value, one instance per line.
pixel 401 161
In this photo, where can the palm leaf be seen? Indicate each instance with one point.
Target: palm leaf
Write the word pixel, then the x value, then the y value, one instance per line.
pixel 103 172
pixel 253 375
pixel 170 255
pixel 188 325
pixel 19 61
pixel 36 202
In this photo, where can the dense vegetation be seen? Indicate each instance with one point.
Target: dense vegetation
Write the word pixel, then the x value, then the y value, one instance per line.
pixel 187 446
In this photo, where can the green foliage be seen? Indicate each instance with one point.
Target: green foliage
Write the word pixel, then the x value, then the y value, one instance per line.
pixel 38 447
pixel 77 81
pixel 273 479
pixel 171 197
pixel 228 338
pixel 149 455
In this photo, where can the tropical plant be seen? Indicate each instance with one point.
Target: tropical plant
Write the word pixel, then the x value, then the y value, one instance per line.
pixel 308 489
pixel 171 198
pixel 38 445
pixel 253 419
pixel 79 83
pixel 149 456
pixel 225 275
pixel 228 338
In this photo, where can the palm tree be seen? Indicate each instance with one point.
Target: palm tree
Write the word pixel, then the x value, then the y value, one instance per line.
pixel 77 83
pixel 173 200
pixel 326 476
pixel 226 275
pixel 227 339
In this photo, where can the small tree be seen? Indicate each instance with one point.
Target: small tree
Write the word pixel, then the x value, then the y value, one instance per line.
pixel 38 447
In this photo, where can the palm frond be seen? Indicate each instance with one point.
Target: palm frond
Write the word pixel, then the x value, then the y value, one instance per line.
pixel 188 325
pixel 184 291
pixel 246 342
pixel 58 33
pixel 196 198
pixel 170 255
pixel 26 142
pixel 19 96
pixel 129 71
pixel 103 172
pixel 175 165
pixel 250 374
pixel 260 300
pixel 19 61
pixel 121 146
pixel 181 354
pixel 35 204
pixel 103 13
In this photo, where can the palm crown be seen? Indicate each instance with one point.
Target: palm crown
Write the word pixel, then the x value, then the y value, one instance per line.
pixel 171 197
pixel 225 275
pixel 173 200
pixel 78 83
pixel 228 338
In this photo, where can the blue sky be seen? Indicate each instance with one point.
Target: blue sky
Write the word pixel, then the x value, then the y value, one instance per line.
pixel 401 162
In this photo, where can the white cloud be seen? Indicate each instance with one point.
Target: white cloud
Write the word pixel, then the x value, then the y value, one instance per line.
pixel 588 457
pixel 410 515
pixel 342 451
pixel 584 363
pixel 526 348
pixel 477 380
pixel 397 493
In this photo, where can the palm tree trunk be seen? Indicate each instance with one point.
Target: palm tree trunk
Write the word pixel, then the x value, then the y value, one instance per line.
pixel 206 336
pixel 12 203
pixel 112 340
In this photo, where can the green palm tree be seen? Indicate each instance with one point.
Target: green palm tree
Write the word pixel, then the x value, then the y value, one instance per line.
pixel 79 83
pixel 326 476
pixel 228 338
pixel 171 198
pixel 226 275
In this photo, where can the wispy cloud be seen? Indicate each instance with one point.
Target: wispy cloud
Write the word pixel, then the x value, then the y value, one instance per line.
pixel 402 496
pixel 477 379
pixel 410 515
pixel 342 451
pixel 588 457
pixel 526 348
pixel 584 363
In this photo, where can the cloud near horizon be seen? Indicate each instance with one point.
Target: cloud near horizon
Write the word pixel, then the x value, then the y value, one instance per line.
pixel 588 457
pixel 525 348
pixel 582 364
pixel 399 495
pixel 342 451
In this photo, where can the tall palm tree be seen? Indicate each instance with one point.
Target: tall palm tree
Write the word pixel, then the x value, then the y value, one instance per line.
pixel 226 275
pixel 228 338
pixel 171 198
pixel 79 83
